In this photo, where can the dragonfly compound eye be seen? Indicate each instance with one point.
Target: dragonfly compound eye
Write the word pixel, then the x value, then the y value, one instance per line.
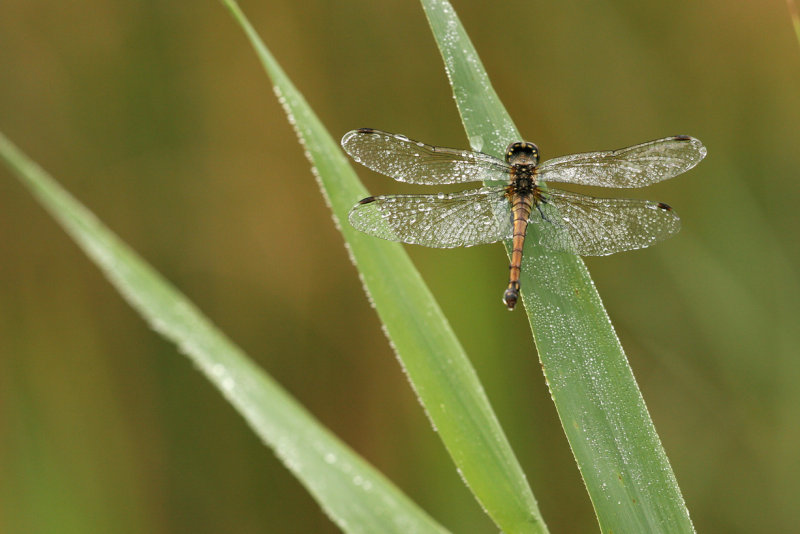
pixel 523 153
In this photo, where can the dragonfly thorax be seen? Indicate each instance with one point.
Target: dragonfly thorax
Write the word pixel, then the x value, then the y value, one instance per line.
pixel 522 153
pixel 523 179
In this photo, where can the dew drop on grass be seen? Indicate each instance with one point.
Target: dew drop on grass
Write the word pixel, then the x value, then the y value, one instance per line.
pixel 476 143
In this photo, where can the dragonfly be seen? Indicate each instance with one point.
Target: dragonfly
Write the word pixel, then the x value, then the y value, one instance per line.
pixel 519 200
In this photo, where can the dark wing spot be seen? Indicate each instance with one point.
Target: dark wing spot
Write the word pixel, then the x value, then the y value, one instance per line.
pixel 682 137
pixel 366 130
pixel 372 199
pixel 661 205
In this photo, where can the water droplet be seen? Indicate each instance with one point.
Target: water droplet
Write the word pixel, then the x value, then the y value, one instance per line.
pixel 476 142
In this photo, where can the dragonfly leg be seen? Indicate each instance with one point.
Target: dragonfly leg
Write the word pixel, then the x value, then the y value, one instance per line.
pixel 542 200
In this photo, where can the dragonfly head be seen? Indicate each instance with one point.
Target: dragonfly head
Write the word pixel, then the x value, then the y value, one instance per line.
pixel 522 153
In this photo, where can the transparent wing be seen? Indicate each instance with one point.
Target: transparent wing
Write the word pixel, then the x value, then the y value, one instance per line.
pixel 590 226
pixel 635 166
pixel 463 219
pixel 413 162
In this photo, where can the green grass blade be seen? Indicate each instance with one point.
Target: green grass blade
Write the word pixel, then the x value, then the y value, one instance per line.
pixel 356 496
pixel 435 362
pixel 623 464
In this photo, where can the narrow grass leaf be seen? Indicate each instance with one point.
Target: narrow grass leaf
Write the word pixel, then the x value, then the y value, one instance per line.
pixel 435 362
pixel 623 464
pixel 355 495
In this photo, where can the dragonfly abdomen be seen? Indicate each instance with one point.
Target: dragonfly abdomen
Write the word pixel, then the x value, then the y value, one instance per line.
pixel 521 207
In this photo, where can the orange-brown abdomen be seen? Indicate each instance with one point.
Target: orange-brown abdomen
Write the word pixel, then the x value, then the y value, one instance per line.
pixel 521 206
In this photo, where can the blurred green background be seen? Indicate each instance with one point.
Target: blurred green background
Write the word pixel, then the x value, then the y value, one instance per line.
pixel 159 118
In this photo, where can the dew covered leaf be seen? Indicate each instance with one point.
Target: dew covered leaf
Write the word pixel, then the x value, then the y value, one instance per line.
pixel 625 469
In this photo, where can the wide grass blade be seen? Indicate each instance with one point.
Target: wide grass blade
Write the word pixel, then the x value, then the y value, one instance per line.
pixel 623 464
pixel 425 344
pixel 355 495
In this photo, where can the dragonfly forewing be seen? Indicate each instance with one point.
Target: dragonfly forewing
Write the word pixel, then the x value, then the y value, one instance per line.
pixel 590 226
pixel 413 162
pixel 634 166
pixel 472 217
